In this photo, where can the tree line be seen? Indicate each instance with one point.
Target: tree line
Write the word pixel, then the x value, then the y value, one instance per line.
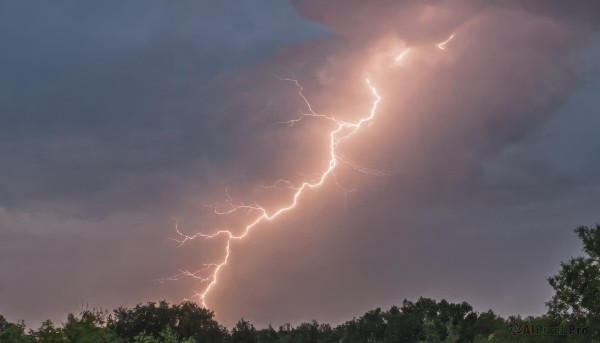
pixel 573 316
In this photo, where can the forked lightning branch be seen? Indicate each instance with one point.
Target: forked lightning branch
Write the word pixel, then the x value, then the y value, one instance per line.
pixel 208 274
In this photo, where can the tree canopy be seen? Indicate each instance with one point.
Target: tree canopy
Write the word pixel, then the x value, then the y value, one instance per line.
pixel 577 286
pixel 573 316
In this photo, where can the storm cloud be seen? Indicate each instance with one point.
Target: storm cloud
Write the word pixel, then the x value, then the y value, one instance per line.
pixel 115 118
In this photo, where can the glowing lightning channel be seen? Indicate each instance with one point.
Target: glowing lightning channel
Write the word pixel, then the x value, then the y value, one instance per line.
pixel 442 45
pixel 401 55
pixel 342 131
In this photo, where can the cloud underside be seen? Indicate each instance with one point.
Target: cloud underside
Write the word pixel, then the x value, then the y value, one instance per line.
pixel 103 148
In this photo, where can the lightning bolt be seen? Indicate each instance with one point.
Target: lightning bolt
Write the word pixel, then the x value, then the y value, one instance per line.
pixel 401 55
pixel 342 130
pixel 442 45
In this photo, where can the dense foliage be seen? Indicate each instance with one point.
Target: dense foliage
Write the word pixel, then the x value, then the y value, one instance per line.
pixel 577 286
pixel 573 316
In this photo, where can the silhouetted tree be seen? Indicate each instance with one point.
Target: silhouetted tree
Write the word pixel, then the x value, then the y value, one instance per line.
pixel 487 324
pixel 186 320
pixel 48 333
pixel 243 332
pixel 403 324
pixel 198 323
pixel 13 333
pixel 165 336
pixel 89 327
pixel 577 286
pixel 268 335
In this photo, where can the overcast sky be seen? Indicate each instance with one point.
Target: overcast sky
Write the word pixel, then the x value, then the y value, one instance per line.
pixel 118 118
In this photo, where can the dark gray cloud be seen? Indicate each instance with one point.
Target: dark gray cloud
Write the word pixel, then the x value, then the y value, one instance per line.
pixel 95 96
pixel 116 117
pixel 96 151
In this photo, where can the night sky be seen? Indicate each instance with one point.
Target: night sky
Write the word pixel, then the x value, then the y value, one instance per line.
pixel 120 119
